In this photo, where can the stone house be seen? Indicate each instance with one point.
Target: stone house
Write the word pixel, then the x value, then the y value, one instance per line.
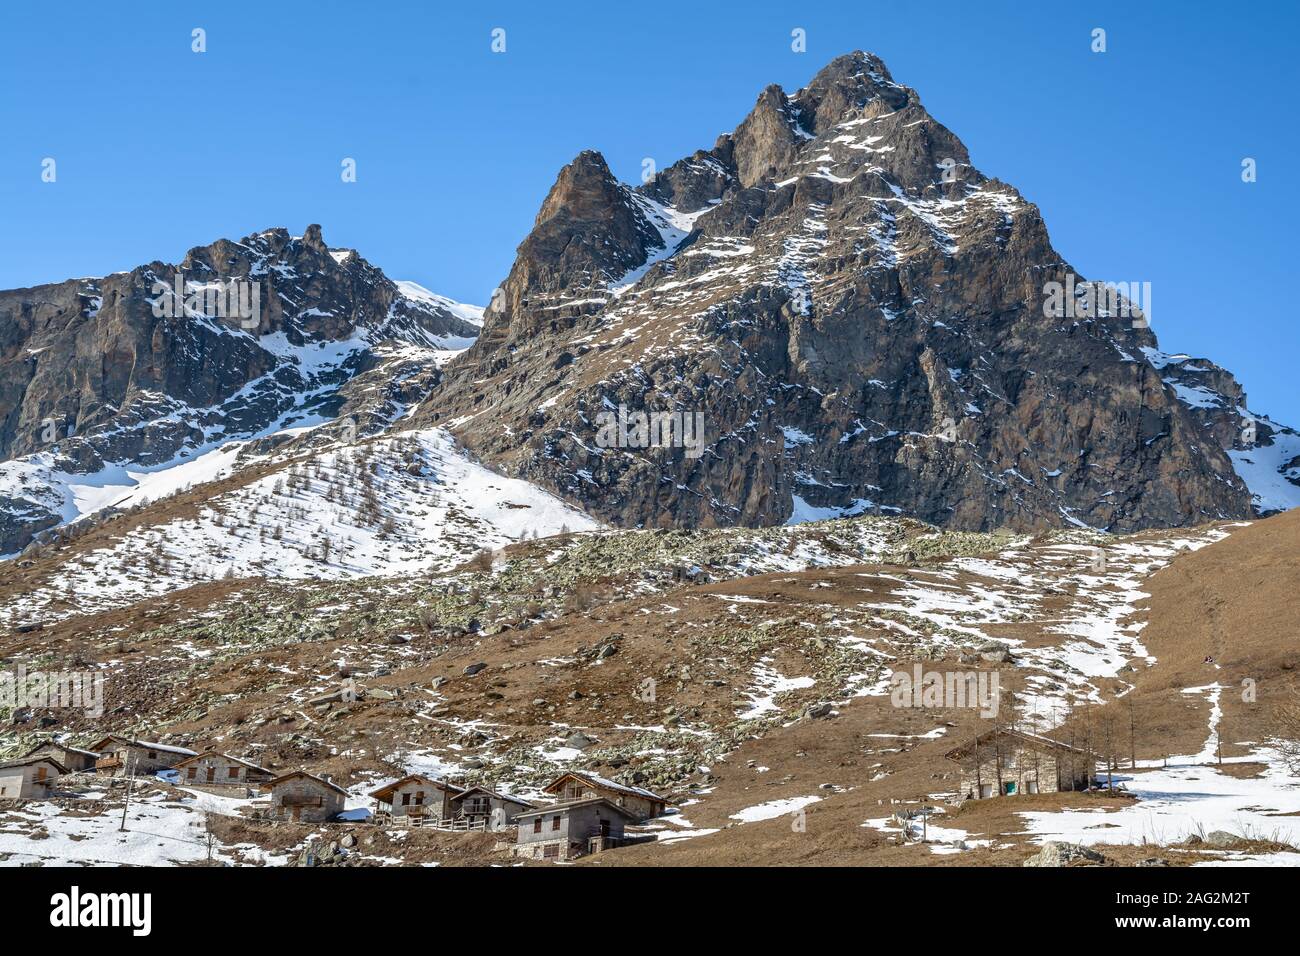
pixel 74 758
pixel 221 771
pixel 305 797
pixel 416 797
pixel 564 831
pixel 31 778
pixel 1009 762
pixel 492 809
pixel 119 756
pixel 583 785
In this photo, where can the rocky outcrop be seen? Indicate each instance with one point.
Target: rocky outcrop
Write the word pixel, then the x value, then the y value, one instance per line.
pixel 1056 853
pixel 860 320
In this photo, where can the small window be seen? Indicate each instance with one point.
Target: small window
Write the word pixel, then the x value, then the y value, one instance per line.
pixel 551 852
pixel 406 799
pixel 193 772
pixel 555 822
pixel 419 798
pixel 234 773
pixel 153 755
pixel 537 825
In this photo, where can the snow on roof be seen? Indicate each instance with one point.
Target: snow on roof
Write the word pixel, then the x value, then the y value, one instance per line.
pixel 599 781
pixel 165 748
pixel 145 744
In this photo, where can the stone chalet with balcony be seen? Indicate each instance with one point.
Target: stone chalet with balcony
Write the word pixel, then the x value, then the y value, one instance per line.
pixel 565 831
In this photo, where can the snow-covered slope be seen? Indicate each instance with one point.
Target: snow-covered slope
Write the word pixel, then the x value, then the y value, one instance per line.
pixel 394 505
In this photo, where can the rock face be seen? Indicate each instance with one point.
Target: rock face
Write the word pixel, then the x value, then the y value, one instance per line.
pixel 861 319
pixel 92 376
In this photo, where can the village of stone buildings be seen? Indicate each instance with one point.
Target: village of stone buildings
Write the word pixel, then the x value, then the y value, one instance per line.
pixel 579 813
pixel 582 812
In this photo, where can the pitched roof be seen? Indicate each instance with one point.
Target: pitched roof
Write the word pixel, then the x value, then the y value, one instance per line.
pixel 1026 739
pixel 568 805
pixel 310 776
pixel 29 761
pixel 144 744
pixel 388 789
pixel 239 760
pixel 596 780
pixel 63 747
pixel 510 798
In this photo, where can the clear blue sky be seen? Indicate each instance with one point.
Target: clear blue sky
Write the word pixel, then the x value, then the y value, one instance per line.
pixel 1133 155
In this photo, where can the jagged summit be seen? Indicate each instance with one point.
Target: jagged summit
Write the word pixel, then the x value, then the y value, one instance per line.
pixel 859 315
pixel 99 376
pixel 588 232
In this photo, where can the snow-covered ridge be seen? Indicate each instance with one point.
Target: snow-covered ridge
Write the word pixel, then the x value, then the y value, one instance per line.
pixel 418 293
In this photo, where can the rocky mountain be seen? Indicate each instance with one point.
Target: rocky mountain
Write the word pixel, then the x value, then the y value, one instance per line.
pixel 863 321
pixel 854 318
pixel 102 380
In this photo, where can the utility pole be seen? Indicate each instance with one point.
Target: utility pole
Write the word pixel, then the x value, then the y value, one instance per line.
pixel 130 782
pixel 1132 733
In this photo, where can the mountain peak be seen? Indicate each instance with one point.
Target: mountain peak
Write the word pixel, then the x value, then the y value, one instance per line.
pixel 852 86
pixel 856 313
pixel 583 189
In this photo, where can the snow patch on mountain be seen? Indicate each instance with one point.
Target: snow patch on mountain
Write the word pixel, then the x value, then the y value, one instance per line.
pixel 1269 465
pixel 1271 471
